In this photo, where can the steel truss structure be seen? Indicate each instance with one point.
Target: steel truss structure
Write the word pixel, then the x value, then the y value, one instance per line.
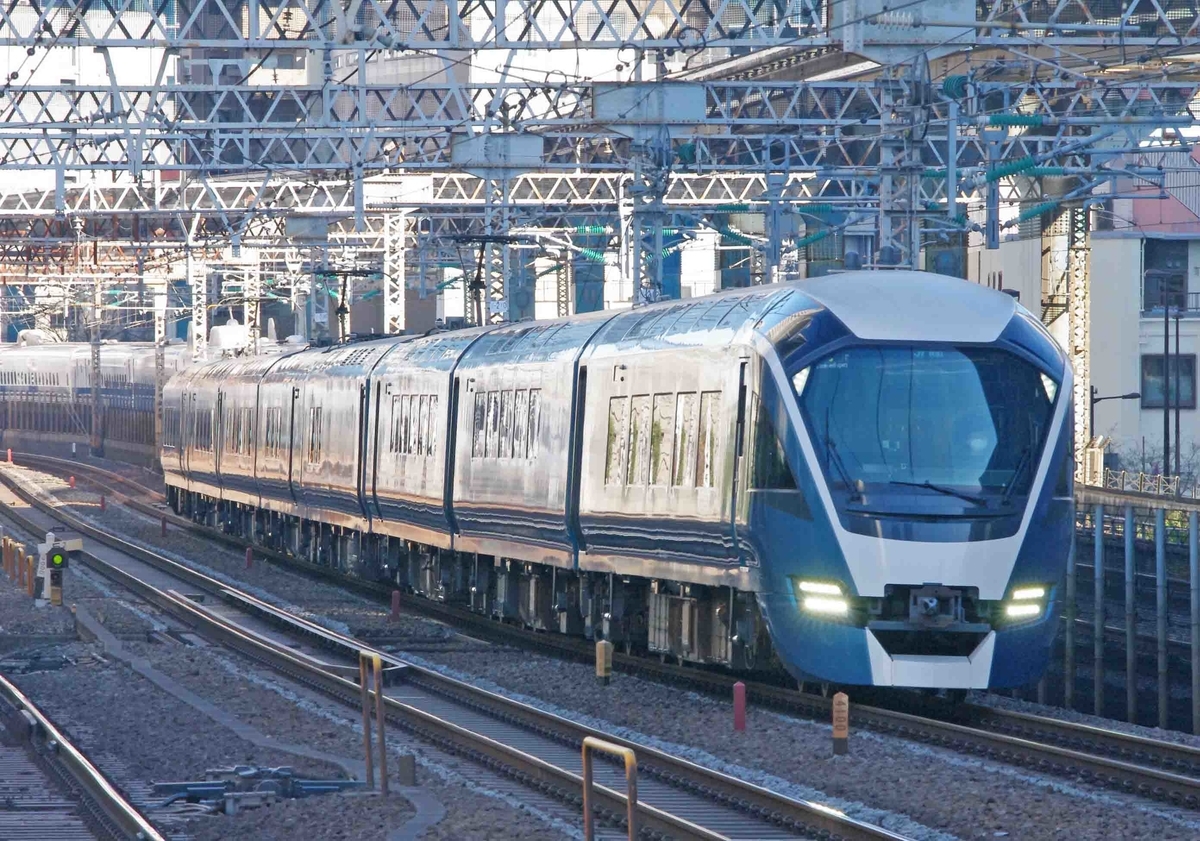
pixel 923 121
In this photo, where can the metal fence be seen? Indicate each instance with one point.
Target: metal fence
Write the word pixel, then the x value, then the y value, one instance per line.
pixel 1147 483
pixel 1164 529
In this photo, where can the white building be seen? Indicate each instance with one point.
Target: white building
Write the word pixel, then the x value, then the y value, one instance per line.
pixel 1145 252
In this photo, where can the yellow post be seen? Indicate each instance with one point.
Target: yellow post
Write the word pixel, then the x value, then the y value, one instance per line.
pixel 30 576
pixel 383 780
pixel 21 574
pixel 591 743
pixel 366 717
pixel 841 724
pixel 604 652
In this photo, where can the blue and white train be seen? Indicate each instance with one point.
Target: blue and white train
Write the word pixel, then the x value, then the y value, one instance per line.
pixel 866 477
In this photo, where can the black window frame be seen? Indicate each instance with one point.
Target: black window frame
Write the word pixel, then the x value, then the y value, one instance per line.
pixel 1188 359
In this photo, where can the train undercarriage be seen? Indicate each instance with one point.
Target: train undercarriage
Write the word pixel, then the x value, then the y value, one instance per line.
pixel 687 623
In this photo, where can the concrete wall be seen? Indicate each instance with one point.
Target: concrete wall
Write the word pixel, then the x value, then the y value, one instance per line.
pixel 1118 338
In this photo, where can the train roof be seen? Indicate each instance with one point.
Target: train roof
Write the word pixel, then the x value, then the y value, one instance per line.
pixel 897 305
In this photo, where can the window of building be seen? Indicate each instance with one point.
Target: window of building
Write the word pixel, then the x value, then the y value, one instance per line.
pixel 1182 388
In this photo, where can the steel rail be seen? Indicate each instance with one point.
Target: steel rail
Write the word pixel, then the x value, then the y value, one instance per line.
pixel 764 803
pixel 1151 767
pixel 93 786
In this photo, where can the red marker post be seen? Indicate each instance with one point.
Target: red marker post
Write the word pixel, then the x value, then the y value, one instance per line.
pixel 395 614
pixel 103 503
pixel 739 707
pixel 249 557
pixel 72 481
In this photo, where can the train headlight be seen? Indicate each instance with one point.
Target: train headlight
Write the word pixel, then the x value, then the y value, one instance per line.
pixel 822 597
pixel 1025 610
pixel 1025 603
pixel 824 604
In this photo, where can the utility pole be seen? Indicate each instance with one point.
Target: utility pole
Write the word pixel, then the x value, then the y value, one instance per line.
pixel 1166 378
pixel 1178 393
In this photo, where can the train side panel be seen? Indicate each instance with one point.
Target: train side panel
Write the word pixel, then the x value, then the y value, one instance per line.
pixel 409 437
pixel 327 452
pixel 513 449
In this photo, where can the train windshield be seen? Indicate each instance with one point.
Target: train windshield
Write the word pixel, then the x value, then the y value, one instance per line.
pixel 936 429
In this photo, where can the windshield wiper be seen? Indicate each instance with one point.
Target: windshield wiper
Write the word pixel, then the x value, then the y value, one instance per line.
pixel 831 454
pixel 836 459
pixel 930 486
pixel 1012 483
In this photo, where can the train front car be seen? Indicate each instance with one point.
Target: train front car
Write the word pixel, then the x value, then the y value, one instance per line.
pixel 927 422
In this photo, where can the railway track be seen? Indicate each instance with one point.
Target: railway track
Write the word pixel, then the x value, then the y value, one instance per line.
pixel 677 798
pixel 49 788
pixel 1152 768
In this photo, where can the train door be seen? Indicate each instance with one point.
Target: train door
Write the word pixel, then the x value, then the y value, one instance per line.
pixel 218 438
pixel 294 452
pixel 187 433
pixel 451 450
pixel 361 453
pixel 739 451
pixel 574 475
pixel 374 457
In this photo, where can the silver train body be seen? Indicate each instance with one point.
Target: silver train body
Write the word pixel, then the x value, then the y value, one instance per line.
pixel 668 477
pixel 46 393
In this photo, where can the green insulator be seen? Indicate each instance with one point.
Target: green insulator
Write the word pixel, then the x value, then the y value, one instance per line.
pixel 955 87
pixel 736 236
pixel 1018 120
pixel 811 238
pixel 1011 168
pixel 1037 210
pixel 731 208
pixel 1047 170
pixel 591 229
pixel 934 173
pixel 816 209
pixel 592 254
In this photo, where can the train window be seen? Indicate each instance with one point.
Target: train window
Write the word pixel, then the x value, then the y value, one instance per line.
pixel 618 425
pixel 706 442
pixel 661 432
pixel 520 428
pixel 314 436
pixel 638 470
pixel 423 425
pixel 399 436
pixel 506 424
pixel 493 424
pixel 408 421
pixel 535 420
pixel 771 471
pixel 477 442
pixel 431 435
pixel 685 440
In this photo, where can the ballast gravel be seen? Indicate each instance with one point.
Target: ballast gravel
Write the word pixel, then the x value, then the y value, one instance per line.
pixel 958 794
pixel 951 794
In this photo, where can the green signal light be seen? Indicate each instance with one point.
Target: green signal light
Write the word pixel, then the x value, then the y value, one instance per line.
pixel 58 559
